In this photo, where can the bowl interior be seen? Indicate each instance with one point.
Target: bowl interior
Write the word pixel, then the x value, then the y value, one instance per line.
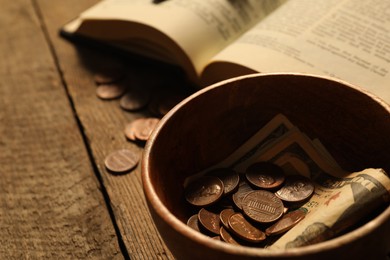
pixel 212 123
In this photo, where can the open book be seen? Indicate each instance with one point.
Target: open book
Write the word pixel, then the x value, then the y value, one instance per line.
pixel 218 39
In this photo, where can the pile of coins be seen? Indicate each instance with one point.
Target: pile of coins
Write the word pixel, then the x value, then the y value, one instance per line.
pixel 252 208
pixel 113 84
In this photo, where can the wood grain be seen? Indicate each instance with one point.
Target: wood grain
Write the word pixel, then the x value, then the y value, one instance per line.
pixel 50 201
pixel 103 123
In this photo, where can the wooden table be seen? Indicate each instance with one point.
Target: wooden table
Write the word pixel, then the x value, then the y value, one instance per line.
pixel 57 199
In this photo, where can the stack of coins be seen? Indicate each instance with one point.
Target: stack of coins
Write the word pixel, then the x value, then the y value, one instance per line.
pixel 252 208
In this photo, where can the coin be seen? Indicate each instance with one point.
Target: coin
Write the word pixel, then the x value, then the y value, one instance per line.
pixel 284 224
pixel 224 217
pixel 135 100
pixel 121 161
pixel 295 189
pixel 204 191
pixel 229 177
pixel 217 238
pixel 243 190
pixel 110 91
pixel 148 124
pixel 265 175
pixel 262 206
pixel 209 220
pixel 130 129
pixel 227 237
pixel 245 230
pixel 140 129
pixel 193 222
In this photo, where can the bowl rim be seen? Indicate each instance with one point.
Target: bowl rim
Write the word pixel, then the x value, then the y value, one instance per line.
pixel 173 222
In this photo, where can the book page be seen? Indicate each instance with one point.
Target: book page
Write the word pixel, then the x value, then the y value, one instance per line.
pixel 347 39
pixel 200 29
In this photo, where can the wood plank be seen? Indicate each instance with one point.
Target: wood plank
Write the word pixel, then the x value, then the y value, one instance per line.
pixel 51 205
pixel 104 122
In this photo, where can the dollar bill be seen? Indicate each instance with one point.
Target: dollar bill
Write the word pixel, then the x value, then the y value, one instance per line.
pixel 341 204
pixel 269 134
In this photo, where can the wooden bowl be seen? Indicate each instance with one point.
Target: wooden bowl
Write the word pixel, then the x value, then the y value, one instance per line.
pixel 207 126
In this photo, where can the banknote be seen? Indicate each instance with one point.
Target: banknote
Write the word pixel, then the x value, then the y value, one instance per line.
pixel 341 204
pixel 267 135
pixel 325 153
pixel 293 149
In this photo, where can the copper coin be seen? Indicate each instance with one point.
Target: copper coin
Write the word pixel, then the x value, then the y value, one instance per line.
pixel 227 237
pixel 284 224
pixel 147 126
pixel 224 217
pixel 140 129
pixel 295 189
pixel 245 230
pixel 110 91
pixel 262 206
pixel 135 100
pixel 229 177
pixel 209 220
pixel 217 238
pixel 204 191
pixel 193 222
pixel 130 129
pixel 121 161
pixel 238 196
pixel 265 175
pixel 108 76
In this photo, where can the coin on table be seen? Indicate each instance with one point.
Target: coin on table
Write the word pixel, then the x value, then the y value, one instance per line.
pixel 265 175
pixel 130 129
pixel 209 220
pixel 227 237
pixel 295 189
pixel 285 223
pixel 135 100
pixel 204 191
pixel 262 206
pixel 229 177
pixel 243 190
pixel 245 230
pixel 224 216
pixel 147 126
pixel 110 91
pixel 193 222
pixel 121 161
pixel 140 129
